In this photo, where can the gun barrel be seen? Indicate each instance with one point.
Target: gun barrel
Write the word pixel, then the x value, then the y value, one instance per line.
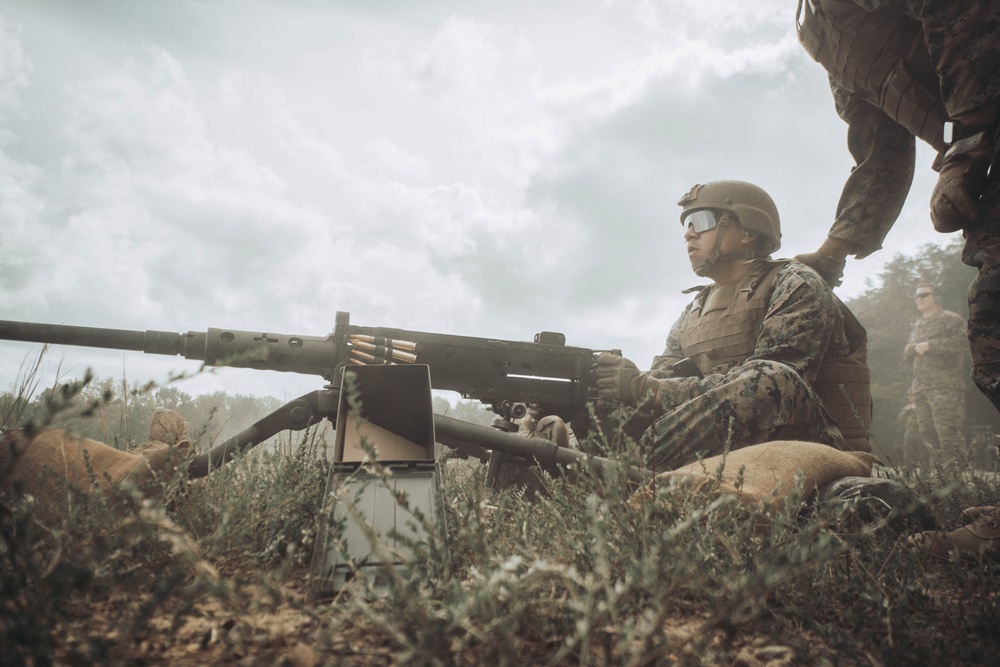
pixel 460 434
pixel 190 345
pixel 490 370
pixel 310 355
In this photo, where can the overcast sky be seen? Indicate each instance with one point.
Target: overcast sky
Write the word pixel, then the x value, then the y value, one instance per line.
pixel 468 167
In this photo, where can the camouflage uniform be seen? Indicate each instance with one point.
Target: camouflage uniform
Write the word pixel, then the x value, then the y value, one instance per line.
pixel 908 66
pixel 765 396
pixel 898 69
pixel 982 251
pixel 913 446
pixel 938 381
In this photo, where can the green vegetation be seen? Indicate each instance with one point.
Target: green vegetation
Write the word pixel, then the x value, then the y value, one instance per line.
pixel 119 414
pixel 217 570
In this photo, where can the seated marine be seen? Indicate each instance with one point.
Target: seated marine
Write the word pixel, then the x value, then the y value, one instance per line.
pixel 760 354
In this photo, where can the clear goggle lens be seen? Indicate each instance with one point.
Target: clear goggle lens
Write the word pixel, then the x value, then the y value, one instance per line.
pixel 699 221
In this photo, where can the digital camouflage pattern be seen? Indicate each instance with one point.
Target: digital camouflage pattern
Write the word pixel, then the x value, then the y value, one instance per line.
pixel 941 423
pixel 940 368
pixel 962 40
pixel 914 450
pixel 884 153
pixel 898 69
pixel 939 381
pixel 766 397
pixel 910 58
pixel 982 251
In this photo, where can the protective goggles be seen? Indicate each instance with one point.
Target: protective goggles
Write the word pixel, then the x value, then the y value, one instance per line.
pixel 699 221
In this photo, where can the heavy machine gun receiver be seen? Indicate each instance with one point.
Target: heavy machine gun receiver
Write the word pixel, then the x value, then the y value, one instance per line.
pixel 501 373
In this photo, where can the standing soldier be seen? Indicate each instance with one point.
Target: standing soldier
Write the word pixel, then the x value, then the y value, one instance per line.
pixel 901 69
pixel 936 349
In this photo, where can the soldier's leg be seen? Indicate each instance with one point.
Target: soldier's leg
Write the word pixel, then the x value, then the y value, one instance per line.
pixel 913 445
pixel 982 245
pixel 982 250
pixel 948 414
pixel 760 401
pixel 963 42
pixel 925 424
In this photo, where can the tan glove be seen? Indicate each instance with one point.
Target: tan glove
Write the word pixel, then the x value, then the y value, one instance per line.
pixel 620 381
pixel 830 269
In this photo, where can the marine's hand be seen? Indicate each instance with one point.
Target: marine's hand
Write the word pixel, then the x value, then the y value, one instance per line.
pixel 830 268
pixel 620 381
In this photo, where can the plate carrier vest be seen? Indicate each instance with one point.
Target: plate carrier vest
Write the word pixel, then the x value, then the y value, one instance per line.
pixel 722 332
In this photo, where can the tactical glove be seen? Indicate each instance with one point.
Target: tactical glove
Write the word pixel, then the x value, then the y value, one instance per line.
pixel 620 381
pixel 830 269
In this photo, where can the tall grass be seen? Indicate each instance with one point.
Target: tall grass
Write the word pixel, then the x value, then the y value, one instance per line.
pixel 217 572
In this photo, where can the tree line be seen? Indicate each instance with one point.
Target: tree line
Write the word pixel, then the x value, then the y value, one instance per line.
pixel 115 412
pixel 119 414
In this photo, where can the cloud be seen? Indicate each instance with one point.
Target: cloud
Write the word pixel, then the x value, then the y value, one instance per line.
pixel 721 19
pixel 465 167
pixel 459 59
pixel 15 68
pixel 394 160
pixel 20 206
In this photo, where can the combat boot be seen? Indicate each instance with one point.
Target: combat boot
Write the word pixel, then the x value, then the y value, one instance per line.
pixel 962 179
pixel 979 538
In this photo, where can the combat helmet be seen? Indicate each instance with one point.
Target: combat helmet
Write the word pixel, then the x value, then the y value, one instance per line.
pixel 752 207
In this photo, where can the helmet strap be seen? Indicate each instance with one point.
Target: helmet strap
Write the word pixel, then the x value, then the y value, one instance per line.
pixel 716 256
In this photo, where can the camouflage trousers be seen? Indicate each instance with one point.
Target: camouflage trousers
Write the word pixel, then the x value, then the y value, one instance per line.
pixel 756 402
pixel 898 69
pixel 941 421
pixel 914 449
pixel 963 40
pixel 982 251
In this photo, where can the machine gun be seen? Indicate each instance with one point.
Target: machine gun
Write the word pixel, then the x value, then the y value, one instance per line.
pixel 508 375
pixel 378 393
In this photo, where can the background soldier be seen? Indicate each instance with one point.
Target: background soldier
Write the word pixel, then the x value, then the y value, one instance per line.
pixel 936 349
pixel 762 336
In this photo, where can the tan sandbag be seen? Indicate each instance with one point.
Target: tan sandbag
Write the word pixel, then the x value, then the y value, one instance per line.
pixel 167 426
pixel 38 463
pixel 763 474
